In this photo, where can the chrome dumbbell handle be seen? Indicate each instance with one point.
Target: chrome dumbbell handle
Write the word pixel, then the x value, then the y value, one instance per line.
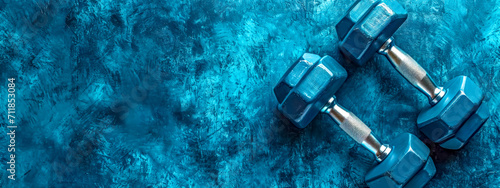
pixel 412 71
pixel 356 129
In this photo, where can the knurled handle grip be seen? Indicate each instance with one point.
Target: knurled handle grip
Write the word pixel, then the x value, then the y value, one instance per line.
pixel 348 122
pixel 406 65
pixel 355 128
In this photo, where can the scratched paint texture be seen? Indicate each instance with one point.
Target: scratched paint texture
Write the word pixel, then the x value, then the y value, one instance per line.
pixel 179 93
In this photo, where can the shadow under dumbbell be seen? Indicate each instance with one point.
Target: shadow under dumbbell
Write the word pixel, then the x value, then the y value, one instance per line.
pixel 439 154
pixel 322 133
pixel 321 140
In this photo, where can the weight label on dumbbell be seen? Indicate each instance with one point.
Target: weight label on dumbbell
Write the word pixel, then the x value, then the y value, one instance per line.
pixel 377 20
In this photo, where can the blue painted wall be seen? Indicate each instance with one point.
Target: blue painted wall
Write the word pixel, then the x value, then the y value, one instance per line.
pixel 179 93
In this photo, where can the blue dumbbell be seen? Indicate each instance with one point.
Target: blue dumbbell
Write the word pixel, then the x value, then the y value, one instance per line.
pixel 456 111
pixel 308 88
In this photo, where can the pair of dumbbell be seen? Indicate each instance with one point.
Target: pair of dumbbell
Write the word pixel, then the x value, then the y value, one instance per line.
pixel 308 86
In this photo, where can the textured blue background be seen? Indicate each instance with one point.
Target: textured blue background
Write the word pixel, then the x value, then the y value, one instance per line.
pixel 163 93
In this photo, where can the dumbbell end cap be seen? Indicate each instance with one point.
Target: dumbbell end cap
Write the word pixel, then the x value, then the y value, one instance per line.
pixel 292 76
pixel 468 129
pixel 366 27
pixel 307 86
pixel 457 116
pixel 424 175
pixel 407 164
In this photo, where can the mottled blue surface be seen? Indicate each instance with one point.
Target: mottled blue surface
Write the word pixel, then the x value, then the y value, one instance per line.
pixel 179 93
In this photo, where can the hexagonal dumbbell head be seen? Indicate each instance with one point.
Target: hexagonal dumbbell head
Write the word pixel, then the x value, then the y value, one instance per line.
pixel 408 165
pixel 366 26
pixel 457 116
pixel 307 86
